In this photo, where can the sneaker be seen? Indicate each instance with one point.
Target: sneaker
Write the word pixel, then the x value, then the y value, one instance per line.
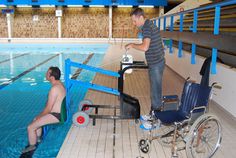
pixel 149 125
pixel 148 117
pixel 29 148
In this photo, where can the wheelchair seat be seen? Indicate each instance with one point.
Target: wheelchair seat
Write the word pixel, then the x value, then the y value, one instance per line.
pixel 64 112
pixel 193 95
pixel 64 118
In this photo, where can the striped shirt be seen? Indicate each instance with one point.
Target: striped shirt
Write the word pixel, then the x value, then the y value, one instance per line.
pixel 155 52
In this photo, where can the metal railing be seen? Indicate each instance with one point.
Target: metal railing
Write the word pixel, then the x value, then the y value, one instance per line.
pixel 194 30
pixel 69 81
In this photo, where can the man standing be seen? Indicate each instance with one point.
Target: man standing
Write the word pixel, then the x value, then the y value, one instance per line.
pixel 52 111
pixel 154 54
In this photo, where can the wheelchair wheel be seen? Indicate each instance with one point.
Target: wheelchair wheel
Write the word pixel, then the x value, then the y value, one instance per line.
pixel 81 119
pixel 204 137
pixel 86 102
pixel 145 145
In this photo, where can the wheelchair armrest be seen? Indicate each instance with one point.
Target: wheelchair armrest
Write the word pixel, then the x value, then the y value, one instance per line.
pixel 216 85
pixel 167 98
pixel 170 102
pixel 195 115
pixel 198 108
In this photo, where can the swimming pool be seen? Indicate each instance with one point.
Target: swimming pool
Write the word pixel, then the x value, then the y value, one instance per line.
pixel 24 89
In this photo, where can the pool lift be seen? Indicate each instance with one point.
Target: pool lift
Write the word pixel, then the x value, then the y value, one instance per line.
pixel 129 106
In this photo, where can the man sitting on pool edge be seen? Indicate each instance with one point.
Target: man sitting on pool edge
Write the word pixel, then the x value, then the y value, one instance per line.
pixel 52 111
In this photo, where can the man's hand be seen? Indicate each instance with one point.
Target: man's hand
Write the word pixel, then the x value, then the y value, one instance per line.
pixel 37 117
pixel 144 46
pixel 128 46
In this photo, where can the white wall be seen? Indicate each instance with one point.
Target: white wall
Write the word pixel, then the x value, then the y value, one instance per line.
pixel 226 77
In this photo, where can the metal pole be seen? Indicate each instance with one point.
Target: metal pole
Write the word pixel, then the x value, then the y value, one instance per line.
pixel 180 54
pixel 171 30
pixel 164 24
pixel 68 86
pixel 193 55
pixel 216 32
pixel 9 28
pixel 110 22
pixel 59 27
pixel 159 24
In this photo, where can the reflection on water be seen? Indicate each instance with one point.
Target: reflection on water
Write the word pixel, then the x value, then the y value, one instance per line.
pixel 11 63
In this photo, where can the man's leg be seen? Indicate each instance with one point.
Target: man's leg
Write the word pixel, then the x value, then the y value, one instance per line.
pixel 155 75
pixel 155 78
pixel 37 124
pixel 39 132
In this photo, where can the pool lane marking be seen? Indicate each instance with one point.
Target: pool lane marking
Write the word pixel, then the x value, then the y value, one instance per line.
pixel 26 72
pixel 13 58
pixel 78 71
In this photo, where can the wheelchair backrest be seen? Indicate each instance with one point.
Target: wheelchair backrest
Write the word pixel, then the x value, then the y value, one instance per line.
pixel 193 95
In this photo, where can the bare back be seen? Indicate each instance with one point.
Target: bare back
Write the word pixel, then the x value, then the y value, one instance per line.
pixel 58 95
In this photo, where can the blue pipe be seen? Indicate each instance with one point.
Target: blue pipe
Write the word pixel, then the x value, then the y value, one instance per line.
pixel 180 53
pixel 164 26
pixel 171 30
pixel 216 32
pixel 95 69
pixel 193 55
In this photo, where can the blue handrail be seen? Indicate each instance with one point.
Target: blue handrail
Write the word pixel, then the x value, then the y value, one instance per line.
pixel 217 7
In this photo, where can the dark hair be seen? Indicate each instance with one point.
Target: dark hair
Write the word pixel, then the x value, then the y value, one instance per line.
pixel 55 72
pixel 137 12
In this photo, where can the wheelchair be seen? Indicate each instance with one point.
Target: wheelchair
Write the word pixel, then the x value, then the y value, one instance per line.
pixel 186 123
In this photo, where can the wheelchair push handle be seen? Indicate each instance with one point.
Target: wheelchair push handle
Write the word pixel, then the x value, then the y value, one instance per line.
pixel 216 85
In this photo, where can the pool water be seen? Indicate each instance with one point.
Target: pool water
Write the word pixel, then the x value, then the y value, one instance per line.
pixel 24 89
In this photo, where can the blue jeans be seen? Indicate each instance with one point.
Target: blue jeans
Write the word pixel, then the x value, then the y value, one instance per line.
pixel 155 77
